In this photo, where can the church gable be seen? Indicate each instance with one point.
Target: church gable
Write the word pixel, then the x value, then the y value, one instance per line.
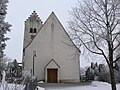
pixel 53 24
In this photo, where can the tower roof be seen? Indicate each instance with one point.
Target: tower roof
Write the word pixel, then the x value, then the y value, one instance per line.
pixel 33 17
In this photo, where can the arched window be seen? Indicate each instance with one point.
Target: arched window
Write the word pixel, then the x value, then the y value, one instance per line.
pixel 35 30
pixel 31 30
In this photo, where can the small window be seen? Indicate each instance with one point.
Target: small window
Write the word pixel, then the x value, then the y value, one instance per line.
pixel 23 52
pixel 31 30
pixel 35 30
pixel 52 26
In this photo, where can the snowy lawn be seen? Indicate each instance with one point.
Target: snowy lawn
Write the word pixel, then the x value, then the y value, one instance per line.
pixel 93 86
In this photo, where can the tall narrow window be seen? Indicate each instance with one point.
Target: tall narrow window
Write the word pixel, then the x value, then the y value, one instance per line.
pixel 23 52
pixel 35 30
pixel 31 30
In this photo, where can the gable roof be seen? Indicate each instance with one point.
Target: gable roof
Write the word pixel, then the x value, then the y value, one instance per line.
pixel 51 62
pixel 53 14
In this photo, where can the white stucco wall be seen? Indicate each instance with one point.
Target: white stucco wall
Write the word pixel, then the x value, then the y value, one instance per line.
pixel 52 42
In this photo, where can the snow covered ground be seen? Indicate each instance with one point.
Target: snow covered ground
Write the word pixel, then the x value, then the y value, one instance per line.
pixel 93 86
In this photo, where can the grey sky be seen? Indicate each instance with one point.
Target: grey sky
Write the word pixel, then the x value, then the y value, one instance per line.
pixel 20 10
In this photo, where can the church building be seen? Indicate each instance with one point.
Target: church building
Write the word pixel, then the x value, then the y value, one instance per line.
pixel 48 52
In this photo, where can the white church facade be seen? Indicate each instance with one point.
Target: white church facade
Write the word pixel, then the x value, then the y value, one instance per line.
pixel 48 51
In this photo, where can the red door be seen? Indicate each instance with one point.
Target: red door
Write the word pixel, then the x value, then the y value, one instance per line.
pixel 52 75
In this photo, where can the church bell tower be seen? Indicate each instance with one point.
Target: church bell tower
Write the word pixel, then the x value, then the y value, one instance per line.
pixel 32 26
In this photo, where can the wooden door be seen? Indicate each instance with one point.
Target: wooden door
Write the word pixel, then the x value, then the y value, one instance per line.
pixel 52 75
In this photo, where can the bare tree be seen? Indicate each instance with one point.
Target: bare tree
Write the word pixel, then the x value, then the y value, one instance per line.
pixel 96 25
